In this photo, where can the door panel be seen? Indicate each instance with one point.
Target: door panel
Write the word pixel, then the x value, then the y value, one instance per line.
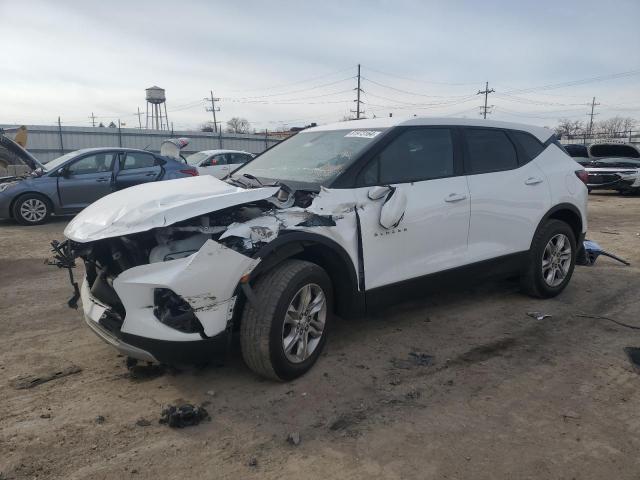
pixel 431 237
pixel 506 201
pixel 86 180
pixel 136 168
pixel 505 210
pixel 217 166
pixel 420 164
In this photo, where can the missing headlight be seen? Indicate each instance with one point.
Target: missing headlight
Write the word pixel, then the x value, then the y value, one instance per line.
pixel 172 310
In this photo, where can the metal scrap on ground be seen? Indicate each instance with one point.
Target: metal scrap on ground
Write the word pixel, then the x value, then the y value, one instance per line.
pixel 30 381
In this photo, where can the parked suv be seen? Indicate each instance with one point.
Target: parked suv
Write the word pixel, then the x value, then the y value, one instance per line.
pixel 335 220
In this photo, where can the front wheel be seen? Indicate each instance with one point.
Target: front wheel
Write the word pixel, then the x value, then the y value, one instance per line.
pixel 282 337
pixel 31 209
pixel 551 260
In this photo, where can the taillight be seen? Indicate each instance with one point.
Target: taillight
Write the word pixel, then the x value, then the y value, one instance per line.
pixel 191 171
pixel 583 175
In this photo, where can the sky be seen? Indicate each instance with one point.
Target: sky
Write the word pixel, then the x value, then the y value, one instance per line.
pixel 281 64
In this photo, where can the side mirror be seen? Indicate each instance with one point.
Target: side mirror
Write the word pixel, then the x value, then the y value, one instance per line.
pixel 393 206
pixel 64 172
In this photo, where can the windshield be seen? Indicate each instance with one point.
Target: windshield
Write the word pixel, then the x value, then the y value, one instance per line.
pixel 195 158
pixel 56 162
pixel 311 157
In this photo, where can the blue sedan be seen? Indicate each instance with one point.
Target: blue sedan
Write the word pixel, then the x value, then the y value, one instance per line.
pixel 71 182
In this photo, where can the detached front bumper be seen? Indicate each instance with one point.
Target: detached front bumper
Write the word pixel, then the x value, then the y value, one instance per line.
pixel 98 317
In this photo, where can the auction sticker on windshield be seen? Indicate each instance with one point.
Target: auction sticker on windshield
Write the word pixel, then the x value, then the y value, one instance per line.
pixel 363 133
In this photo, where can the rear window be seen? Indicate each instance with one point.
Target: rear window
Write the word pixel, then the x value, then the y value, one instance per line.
pixel 614 150
pixel 489 150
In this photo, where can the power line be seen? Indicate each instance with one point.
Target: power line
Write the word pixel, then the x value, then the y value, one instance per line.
pixel 572 83
pixel 93 119
pixel 275 87
pixel 486 93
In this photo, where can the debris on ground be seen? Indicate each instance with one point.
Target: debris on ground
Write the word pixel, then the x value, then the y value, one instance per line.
pixel 633 354
pixel 413 394
pixel 99 420
pixel 293 438
pixel 45 415
pixel 253 462
pixel 143 422
pixel 538 315
pixel 613 320
pixel 348 420
pixel 416 359
pixel 185 415
pixel 145 372
pixel 570 416
pixel 29 381
pixel 592 251
pixel 211 393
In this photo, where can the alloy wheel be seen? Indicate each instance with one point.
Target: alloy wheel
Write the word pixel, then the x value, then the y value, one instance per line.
pixel 304 323
pixel 33 210
pixel 556 260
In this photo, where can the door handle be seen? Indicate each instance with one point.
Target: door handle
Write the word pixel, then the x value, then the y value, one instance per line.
pixel 533 181
pixel 455 197
pixel 150 174
pixel 102 180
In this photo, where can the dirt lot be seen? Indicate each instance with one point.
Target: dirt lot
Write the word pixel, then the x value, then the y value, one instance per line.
pixel 507 396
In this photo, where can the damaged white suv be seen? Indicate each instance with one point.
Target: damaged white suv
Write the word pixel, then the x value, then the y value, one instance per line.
pixel 335 220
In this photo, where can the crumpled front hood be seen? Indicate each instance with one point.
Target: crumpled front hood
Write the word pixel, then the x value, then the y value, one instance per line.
pixel 152 205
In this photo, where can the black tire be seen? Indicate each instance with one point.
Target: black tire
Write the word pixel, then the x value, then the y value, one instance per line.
pixel 532 281
pixel 36 200
pixel 261 328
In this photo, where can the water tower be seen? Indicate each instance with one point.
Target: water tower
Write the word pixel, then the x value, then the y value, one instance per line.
pixel 156 99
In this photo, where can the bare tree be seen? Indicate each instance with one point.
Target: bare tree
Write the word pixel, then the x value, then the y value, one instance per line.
pixel 615 126
pixel 238 125
pixel 206 127
pixel 567 127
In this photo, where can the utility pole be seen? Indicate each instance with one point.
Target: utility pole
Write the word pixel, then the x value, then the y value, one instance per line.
pixel 60 135
pixel 486 93
pixel 139 118
pixel 358 90
pixel 593 106
pixel 213 109
pixel 93 119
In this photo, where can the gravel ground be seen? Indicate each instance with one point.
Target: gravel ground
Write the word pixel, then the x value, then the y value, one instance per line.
pixel 506 395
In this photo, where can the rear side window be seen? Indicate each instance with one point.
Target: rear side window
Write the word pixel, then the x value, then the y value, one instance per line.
pixel 138 160
pixel 417 154
pixel 489 150
pixel 531 146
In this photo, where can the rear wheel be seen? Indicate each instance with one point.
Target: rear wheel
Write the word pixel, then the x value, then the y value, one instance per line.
pixel 551 260
pixel 282 338
pixel 31 209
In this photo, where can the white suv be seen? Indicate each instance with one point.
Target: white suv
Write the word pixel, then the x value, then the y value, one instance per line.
pixel 335 220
